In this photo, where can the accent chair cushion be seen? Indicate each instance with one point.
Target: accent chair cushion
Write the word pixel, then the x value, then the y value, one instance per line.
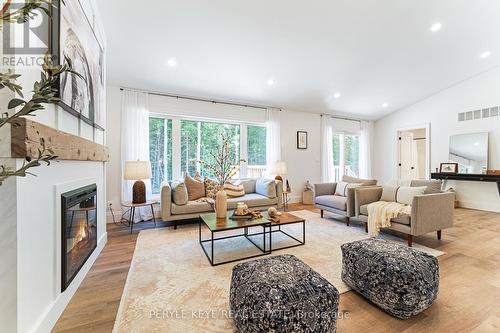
pixel 195 188
pixel 266 187
pixel 402 219
pixel 282 294
pixel 333 201
pixel 179 193
pixel 401 280
pixel 401 194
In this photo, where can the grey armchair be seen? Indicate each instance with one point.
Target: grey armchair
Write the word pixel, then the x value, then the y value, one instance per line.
pixel 429 212
pixel 326 199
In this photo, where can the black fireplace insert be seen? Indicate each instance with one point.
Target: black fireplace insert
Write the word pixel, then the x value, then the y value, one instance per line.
pixel 78 230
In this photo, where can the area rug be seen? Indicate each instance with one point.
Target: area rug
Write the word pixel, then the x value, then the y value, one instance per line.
pixel 171 287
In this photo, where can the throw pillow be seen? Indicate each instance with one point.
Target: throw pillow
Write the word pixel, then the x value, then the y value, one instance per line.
pixel 389 193
pixel 433 185
pixel 211 188
pixel 266 187
pixel 405 194
pixel 234 190
pixel 179 193
pixel 342 187
pixel 249 185
pixel 195 188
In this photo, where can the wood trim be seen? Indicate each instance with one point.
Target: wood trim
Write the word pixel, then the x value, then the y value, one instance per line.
pixel 25 141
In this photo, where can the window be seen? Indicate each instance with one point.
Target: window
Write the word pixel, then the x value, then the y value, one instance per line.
pixel 256 143
pixel 345 155
pixel 199 141
pixel 160 151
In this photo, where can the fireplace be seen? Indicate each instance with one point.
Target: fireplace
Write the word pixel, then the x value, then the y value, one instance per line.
pixel 78 230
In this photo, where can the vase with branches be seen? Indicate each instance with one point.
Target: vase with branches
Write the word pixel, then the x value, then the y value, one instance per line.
pixel 223 165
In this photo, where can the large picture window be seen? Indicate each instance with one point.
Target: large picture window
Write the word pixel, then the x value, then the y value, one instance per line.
pixel 256 143
pixel 199 141
pixel 176 145
pixel 345 155
pixel 160 151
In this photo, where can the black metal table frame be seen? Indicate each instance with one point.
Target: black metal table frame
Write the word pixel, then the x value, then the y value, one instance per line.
pixel 245 234
pixel 132 216
pixel 299 242
pixel 264 250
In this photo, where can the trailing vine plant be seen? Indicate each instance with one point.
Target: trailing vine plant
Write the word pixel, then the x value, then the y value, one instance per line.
pixel 44 91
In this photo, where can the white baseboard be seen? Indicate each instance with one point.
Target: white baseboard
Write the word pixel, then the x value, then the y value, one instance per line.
pixel 52 314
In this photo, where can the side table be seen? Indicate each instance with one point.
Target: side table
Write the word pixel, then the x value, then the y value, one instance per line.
pixel 133 206
pixel 285 200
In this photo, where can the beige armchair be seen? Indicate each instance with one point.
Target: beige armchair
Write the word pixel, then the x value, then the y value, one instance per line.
pixel 326 199
pixel 429 212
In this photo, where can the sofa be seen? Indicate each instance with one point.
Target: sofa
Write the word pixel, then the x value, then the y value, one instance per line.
pixel 326 196
pixel 430 212
pixel 254 197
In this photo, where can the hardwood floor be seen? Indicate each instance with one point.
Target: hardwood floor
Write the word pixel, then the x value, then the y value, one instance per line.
pixel 468 301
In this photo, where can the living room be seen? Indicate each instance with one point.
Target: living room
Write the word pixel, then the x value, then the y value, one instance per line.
pixel 250 167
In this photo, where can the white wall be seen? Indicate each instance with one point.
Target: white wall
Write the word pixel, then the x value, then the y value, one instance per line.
pixel 30 276
pixel 302 164
pixel 441 112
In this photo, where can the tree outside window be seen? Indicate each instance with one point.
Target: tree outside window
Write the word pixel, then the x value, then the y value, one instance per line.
pixel 160 151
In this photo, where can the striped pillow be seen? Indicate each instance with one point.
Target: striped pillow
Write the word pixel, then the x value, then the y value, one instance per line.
pixel 234 190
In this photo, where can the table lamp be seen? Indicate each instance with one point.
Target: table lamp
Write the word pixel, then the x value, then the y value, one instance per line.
pixel 280 170
pixel 138 170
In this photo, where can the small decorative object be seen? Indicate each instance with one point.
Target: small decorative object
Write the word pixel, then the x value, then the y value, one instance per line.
pixel 288 188
pixel 138 170
pixel 274 215
pixel 224 165
pixel 301 140
pixel 280 169
pixel 241 208
pixel 448 168
pixel 308 187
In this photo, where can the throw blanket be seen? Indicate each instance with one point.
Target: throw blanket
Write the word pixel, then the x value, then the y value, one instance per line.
pixel 380 214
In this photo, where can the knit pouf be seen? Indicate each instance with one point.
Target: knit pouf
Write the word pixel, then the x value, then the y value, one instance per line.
pixel 400 280
pixel 282 294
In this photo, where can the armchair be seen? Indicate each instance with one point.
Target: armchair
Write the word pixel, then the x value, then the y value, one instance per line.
pixel 326 199
pixel 429 212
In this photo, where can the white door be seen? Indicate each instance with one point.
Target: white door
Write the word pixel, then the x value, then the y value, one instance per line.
pixel 406 153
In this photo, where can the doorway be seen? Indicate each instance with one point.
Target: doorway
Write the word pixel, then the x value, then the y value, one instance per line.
pixel 412 153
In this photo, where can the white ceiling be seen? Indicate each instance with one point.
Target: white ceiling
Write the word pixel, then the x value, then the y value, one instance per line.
pixel 372 51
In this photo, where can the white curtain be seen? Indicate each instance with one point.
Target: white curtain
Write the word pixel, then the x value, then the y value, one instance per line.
pixel 273 140
pixel 365 149
pixel 135 144
pixel 327 170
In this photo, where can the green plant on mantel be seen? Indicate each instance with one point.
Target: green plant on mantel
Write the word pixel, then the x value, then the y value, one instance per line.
pixel 44 91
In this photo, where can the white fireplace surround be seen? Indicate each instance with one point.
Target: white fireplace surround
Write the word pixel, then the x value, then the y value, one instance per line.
pixel 61 300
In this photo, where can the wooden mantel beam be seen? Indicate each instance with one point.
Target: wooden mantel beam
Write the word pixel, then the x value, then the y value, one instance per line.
pixel 25 141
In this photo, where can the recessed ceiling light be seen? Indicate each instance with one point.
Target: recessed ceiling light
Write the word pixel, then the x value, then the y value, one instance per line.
pixel 476 144
pixel 337 95
pixel 270 82
pixel 385 105
pixel 171 62
pixel 436 27
pixel 485 54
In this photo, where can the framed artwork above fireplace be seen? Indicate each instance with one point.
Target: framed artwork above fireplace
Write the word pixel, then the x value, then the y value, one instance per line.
pixel 73 37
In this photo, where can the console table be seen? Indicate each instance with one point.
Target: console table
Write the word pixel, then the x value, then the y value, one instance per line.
pixel 468 177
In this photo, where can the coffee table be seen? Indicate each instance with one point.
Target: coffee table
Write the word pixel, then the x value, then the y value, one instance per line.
pixel 216 225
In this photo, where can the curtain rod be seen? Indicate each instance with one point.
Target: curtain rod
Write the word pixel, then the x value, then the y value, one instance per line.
pixel 199 99
pixel 342 118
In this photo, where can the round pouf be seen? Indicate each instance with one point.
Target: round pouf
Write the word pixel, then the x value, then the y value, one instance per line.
pixel 282 294
pixel 400 280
